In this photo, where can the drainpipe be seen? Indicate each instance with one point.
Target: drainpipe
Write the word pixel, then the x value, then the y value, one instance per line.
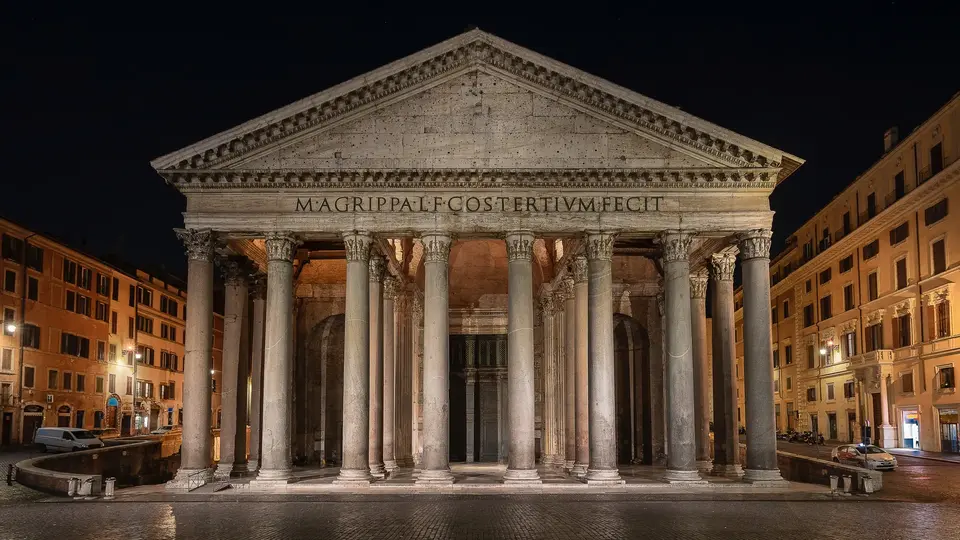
pixel 23 319
pixel 922 364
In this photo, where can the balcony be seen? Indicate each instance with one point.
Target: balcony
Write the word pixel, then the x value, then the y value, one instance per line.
pixel 878 357
pixel 940 345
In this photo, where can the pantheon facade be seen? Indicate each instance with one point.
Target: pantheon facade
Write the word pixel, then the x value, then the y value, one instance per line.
pixel 477 253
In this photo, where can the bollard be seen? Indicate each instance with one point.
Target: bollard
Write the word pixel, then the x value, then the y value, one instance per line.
pixel 109 484
pixel 86 487
pixel 72 487
pixel 834 480
pixel 847 484
pixel 868 485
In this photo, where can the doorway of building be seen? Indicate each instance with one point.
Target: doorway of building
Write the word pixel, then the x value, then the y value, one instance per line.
pixel 478 400
pixel 832 426
pixel 851 424
pixel 911 429
pixel 7 429
pixel 125 425
pixel 63 416
pixel 814 423
pixel 32 421
pixel 950 430
pixel 877 418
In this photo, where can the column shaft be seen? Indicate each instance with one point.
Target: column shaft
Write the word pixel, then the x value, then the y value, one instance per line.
pixel 235 300
pixel 582 391
pixel 701 375
pixel 471 380
pixel 521 464
pixel 256 365
pixel 355 469
pixel 276 461
pixel 758 364
pixel 435 466
pixel 570 374
pixel 549 380
pixel 389 375
pixel 603 400
pixel 681 456
pixel 726 440
pixel 375 450
pixel 196 448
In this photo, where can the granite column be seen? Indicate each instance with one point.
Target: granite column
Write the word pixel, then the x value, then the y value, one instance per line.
pixel 582 391
pixel 726 439
pixel 701 373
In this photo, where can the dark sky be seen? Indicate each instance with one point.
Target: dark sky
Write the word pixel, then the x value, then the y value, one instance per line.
pixel 89 98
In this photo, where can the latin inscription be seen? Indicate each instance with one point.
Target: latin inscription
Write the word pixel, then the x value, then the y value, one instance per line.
pixel 471 204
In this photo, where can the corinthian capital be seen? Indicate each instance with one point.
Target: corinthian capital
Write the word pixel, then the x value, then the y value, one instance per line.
pixel 281 246
pixel 391 287
pixel 357 246
pixel 600 245
pixel 580 269
pixel 199 243
pixel 567 287
pixel 547 304
pixel 698 284
pixel 377 265
pixel 755 244
pixel 722 265
pixel 519 246
pixel 675 245
pixel 235 270
pixel 258 286
pixel 436 247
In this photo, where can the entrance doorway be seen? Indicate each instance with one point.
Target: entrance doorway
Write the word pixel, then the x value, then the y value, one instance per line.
pixel 832 426
pixel 877 417
pixel 125 425
pixel 7 433
pixel 851 424
pixel 32 421
pixel 950 430
pixel 911 429
pixel 814 423
pixel 478 401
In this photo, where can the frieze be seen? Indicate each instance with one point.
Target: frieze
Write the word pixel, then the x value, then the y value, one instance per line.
pixel 471 53
pixel 474 178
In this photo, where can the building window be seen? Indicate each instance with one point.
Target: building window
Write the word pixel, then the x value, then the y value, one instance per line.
pixel 74 345
pixel 789 383
pixel 786 309
pixel 130 327
pixel 33 288
pixel 811 394
pixel 808 286
pixel 945 378
pixel 67 380
pixel 936 159
pixel 901 330
pixel 146 355
pixel 9 318
pixel 788 355
pixel 873 291
pixel 873 336
pixel 99 385
pixel 870 250
pixel 826 308
pixel 773 314
pixel 776 385
pixel 30 336
pixel 825 276
pixel 848 390
pixel 939 253
pixel 133 295
pixel 10 281
pixel 906 382
pixel 849 301
pixel 112 383
pixel 936 212
pixel 129 391
pixel 81 383
pixel 70 301
pixel 6 360
pixel 144 324
pixel 53 377
pixel 116 290
pixel 86 278
pixel 83 305
pixel 168 305
pixel 69 271
pixel 29 376
pixel 942 315
pixel 830 393
pixel 849 344
pixel 900 233
pixel 811 356
pixel 12 248
pixel 101 314
pixel 113 322
pixel 145 296
pixel 101 351
pixel 899 186
pixel 35 258
pixel 901 273
pixel 871 205
pixel 808 318
pixel 113 352
pixel 846 264
pixel 103 285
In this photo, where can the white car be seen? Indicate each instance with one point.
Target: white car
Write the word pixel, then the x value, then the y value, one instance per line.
pixel 866 456
pixel 66 439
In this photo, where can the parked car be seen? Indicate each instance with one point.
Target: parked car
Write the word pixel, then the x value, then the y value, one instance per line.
pixel 867 456
pixel 64 439
pixel 163 430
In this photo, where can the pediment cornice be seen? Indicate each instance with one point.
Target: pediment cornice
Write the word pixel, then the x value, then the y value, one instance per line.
pixel 476 49
pixel 706 178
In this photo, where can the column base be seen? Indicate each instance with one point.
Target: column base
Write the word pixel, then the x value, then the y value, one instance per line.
pixel 568 464
pixel 253 464
pixel 353 478
pixel 683 477
pixel 578 469
pixel 283 475
pixel 704 465
pixel 764 478
pixel 377 470
pixel 405 462
pixel 726 471
pixel 390 465
pixel 603 477
pixel 223 471
pixel 241 470
pixel 521 476
pixel 187 479
pixel 434 477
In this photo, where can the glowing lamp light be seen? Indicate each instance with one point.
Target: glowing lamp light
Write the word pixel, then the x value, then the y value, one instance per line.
pixel 823 351
pixel 211 372
pixel 11 327
pixel 138 356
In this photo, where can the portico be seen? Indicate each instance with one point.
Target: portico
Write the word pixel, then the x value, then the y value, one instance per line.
pixel 478 193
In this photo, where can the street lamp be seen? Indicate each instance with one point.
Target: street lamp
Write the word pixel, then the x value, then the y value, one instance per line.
pixel 11 327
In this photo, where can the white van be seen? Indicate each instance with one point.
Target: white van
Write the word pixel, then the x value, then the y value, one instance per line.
pixel 65 439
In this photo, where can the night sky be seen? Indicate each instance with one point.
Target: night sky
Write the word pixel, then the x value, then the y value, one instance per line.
pixel 90 98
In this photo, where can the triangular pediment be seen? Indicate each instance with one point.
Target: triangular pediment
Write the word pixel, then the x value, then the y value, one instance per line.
pixel 482 102
pixel 477 120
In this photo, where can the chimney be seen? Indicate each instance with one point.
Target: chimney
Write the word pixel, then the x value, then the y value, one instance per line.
pixel 890 139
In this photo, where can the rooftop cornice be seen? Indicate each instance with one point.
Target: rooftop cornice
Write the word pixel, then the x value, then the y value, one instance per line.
pixel 475 48
pixel 705 178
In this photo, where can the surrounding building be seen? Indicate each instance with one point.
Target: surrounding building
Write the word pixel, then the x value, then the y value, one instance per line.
pixel 447 240
pixel 73 326
pixel 866 338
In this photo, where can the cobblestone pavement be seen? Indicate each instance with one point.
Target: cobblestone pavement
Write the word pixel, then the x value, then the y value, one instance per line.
pixel 471 517
pixel 915 479
pixel 16 492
